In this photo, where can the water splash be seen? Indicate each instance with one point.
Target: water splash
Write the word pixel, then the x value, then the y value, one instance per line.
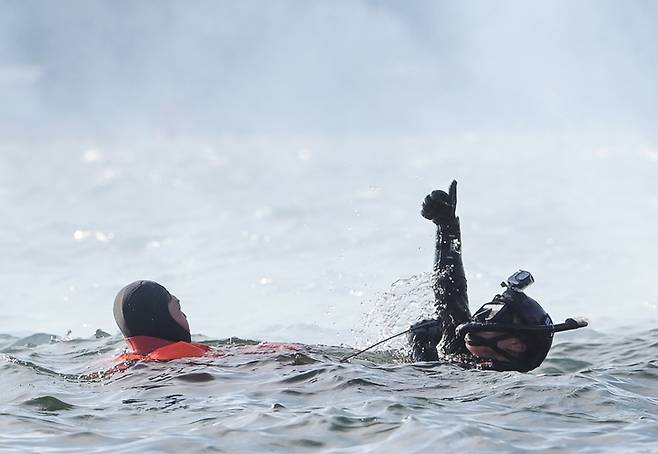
pixel 393 311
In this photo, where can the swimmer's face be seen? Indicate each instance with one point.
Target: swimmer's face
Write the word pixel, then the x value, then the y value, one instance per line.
pixel 513 346
pixel 177 314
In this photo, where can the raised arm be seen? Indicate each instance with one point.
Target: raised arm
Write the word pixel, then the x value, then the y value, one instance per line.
pixel 448 279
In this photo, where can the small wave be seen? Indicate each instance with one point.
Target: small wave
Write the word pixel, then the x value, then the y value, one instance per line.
pixel 48 404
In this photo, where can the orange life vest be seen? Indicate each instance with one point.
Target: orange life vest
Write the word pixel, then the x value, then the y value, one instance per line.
pixel 146 348
pixel 153 349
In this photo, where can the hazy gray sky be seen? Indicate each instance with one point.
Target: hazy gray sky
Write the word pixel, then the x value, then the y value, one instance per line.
pixel 327 66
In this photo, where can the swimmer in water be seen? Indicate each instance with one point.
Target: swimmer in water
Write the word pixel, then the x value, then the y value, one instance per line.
pixel 156 329
pixel 151 320
pixel 512 332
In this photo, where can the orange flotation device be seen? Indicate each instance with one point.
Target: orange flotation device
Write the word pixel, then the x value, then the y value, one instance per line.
pixel 146 348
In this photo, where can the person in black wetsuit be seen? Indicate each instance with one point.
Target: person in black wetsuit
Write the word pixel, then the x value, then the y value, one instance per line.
pixel 512 332
pixel 156 329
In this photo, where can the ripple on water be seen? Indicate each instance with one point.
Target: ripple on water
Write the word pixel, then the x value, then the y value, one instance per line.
pixel 48 404
pixel 310 402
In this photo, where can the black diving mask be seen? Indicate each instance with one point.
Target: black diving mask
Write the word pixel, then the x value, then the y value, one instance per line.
pixel 514 314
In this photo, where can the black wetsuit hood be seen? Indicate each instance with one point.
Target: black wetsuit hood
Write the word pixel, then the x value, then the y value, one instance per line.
pixel 516 315
pixel 142 309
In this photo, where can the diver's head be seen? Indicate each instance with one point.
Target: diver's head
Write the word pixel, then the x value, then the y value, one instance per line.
pixel 146 308
pixel 512 331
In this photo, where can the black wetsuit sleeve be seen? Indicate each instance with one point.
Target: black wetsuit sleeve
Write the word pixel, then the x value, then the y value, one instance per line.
pixel 449 285
pixel 450 299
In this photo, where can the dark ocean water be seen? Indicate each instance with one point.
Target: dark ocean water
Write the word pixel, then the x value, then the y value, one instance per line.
pixel 596 392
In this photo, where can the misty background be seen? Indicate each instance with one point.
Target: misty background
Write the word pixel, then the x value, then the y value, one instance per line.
pixel 266 160
pixel 211 67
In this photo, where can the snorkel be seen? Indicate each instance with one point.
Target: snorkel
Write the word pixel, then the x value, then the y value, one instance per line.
pixel 513 314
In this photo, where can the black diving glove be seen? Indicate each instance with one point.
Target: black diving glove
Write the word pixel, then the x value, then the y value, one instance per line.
pixel 439 206
pixel 423 338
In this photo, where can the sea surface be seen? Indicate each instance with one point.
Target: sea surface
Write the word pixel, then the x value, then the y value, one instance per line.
pixel 318 240
pixel 596 393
